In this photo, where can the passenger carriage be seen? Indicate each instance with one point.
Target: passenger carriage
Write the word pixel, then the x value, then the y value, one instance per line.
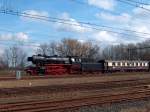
pixel 126 66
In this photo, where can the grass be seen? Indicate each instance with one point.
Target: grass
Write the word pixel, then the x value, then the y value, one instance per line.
pixel 10 73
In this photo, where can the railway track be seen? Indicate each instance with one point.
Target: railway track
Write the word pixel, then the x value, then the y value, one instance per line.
pixel 10 77
pixel 74 87
pixel 132 93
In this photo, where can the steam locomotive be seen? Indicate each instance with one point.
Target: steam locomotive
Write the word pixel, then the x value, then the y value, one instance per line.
pixel 56 65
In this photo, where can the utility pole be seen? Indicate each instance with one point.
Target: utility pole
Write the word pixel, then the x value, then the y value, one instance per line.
pixel 129 54
pixel 14 59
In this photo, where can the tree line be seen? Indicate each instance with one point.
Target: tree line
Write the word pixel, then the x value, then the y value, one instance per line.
pixel 137 51
pixel 16 56
pixel 70 47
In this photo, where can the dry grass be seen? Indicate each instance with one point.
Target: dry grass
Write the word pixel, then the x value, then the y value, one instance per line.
pixel 10 73
pixel 6 73
pixel 135 109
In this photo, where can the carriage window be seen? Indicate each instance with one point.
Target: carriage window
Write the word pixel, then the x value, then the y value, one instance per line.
pixel 128 64
pixel 123 63
pixel 118 63
pixel 136 63
pixel 132 63
pixel 140 64
pixel 113 63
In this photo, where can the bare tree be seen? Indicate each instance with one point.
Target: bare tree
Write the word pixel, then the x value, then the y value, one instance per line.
pixel 14 57
pixel 128 51
pixel 6 59
pixel 52 48
pixel 73 47
pixel 43 49
pixel 47 49
pixel 1 63
pixel 68 47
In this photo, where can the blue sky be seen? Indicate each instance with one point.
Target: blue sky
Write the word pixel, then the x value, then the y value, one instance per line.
pixel 102 12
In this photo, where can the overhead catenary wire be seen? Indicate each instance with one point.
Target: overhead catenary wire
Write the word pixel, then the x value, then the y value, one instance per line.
pixel 134 4
pixel 82 22
pixel 31 41
pixel 63 22
pixel 138 2
pixel 88 23
pixel 113 12
pixel 129 2
pixel 15 42
pixel 22 44
pixel 53 19
pixel 86 4
pixel 32 33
